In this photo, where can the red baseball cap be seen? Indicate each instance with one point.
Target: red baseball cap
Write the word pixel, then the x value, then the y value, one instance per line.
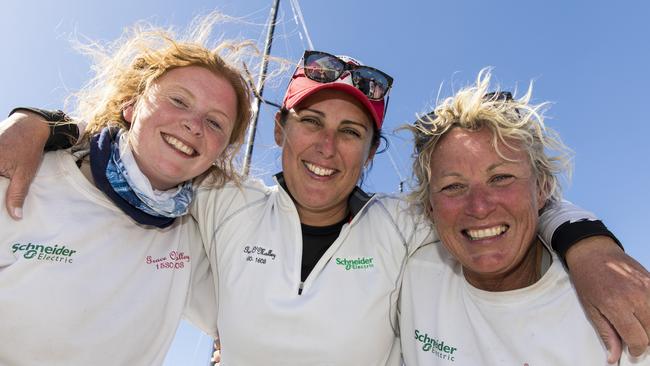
pixel 300 87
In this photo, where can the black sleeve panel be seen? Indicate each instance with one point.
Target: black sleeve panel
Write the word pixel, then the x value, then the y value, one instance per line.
pixel 569 233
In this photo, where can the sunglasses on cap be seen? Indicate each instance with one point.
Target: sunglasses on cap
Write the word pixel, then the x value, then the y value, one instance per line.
pixel 326 68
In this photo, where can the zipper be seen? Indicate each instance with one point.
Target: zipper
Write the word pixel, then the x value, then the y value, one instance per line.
pixel 322 262
pixel 327 256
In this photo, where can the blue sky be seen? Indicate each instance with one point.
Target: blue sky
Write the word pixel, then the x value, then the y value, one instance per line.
pixel 590 58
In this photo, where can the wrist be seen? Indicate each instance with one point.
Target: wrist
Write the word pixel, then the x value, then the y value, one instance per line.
pixel 587 246
pixel 34 124
pixel 62 133
pixel 570 233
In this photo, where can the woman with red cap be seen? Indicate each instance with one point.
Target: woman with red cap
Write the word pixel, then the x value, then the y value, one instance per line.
pixel 308 271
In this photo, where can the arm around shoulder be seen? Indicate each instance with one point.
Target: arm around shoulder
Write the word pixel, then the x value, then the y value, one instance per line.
pixel 613 287
pixel 22 138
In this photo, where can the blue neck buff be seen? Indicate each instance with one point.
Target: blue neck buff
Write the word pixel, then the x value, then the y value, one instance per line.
pixel 128 188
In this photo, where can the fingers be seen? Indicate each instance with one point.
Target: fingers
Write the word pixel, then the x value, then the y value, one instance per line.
pixel 637 333
pixel 608 335
pixel 618 290
pixel 631 330
pixel 642 311
pixel 633 320
pixel 22 138
pixel 643 316
pixel 17 191
pixel 216 355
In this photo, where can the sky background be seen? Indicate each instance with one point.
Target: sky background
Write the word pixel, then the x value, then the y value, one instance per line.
pixel 591 59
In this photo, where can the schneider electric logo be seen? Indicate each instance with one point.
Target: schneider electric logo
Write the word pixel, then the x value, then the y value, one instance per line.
pixel 437 347
pixel 54 253
pixel 358 263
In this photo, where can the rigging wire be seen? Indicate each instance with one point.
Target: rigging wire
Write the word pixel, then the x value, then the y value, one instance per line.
pixel 250 141
pixel 297 13
pixel 196 348
pixel 395 167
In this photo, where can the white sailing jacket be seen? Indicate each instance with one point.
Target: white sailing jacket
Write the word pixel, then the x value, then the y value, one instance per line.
pixel 344 313
pixel 82 284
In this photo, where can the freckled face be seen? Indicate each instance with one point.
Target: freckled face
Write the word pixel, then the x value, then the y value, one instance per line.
pixel 326 142
pixel 485 208
pixel 181 125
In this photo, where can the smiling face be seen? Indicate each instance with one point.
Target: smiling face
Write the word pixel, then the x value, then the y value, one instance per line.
pixel 485 207
pixel 181 125
pixel 326 142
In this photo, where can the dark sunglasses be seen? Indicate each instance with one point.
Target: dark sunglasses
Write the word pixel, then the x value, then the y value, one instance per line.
pixel 498 96
pixel 326 68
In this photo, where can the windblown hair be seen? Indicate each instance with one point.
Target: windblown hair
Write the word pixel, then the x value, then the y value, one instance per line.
pixel 125 69
pixel 515 122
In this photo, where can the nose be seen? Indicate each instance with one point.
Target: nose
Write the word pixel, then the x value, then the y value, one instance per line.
pixel 326 144
pixel 193 125
pixel 480 203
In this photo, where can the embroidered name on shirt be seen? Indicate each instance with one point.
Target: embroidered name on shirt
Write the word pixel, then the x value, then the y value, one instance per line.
pixel 175 260
pixel 258 254
pixel 39 252
pixel 435 346
pixel 358 263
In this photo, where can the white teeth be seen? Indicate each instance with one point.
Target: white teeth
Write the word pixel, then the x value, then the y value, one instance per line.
pixel 486 233
pixel 323 172
pixel 178 144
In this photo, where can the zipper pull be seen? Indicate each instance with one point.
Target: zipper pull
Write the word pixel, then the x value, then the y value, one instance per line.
pixel 300 288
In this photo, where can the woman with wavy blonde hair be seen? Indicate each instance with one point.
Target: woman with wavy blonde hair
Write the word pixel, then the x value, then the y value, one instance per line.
pixel 105 261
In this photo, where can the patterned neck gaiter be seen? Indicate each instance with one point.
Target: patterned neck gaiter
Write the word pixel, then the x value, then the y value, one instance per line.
pixel 116 173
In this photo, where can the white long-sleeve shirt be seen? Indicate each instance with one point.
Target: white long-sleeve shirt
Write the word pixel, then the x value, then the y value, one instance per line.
pixel 445 321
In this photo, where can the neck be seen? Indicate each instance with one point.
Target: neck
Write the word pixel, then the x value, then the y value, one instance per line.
pixel 315 217
pixel 322 217
pixel 526 273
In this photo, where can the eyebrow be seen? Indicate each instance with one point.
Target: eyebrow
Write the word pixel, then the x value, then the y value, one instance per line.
pixel 489 169
pixel 450 174
pixel 497 165
pixel 347 121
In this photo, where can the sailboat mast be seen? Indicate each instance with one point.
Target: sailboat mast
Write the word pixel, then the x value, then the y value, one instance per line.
pixel 250 140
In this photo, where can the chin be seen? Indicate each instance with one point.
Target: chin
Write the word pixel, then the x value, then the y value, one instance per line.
pixel 489 264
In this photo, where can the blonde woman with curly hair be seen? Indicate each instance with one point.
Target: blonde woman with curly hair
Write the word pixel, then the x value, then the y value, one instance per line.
pixel 105 262
pixel 493 293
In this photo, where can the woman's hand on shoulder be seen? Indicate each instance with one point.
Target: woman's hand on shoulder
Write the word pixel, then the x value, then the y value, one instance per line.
pixel 615 292
pixel 22 138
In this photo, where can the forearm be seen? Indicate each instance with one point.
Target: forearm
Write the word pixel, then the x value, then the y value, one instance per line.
pixel 62 133
pixel 36 129
pixel 23 136
pixel 613 288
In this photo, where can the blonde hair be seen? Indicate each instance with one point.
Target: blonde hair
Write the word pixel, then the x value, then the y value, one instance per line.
pixel 126 68
pixel 510 120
